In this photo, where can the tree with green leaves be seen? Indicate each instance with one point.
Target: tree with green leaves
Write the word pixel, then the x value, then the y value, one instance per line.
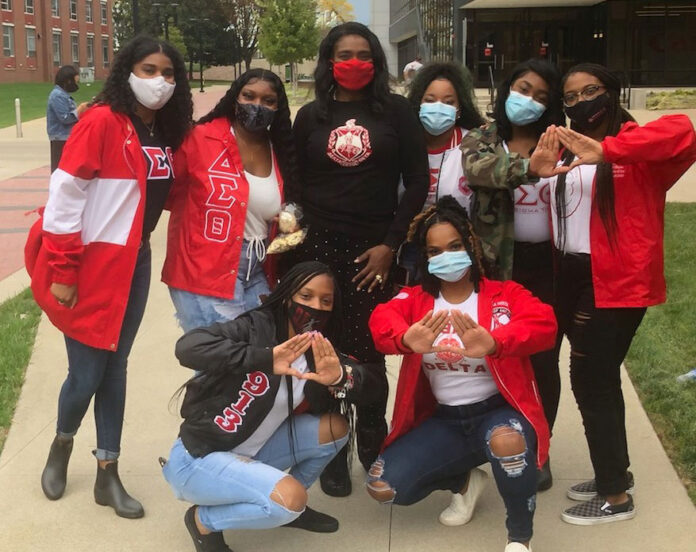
pixel 289 32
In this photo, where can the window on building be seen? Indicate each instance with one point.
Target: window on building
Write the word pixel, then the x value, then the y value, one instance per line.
pixel 105 51
pixel 56 50
pixel 31 42
pixel 29 6
pixel 8 49
pixel 88 11
pixel 73 10
pixel 104 14
pixel 75 49
pixel 55 8
pixel 6 4
pixel 90 51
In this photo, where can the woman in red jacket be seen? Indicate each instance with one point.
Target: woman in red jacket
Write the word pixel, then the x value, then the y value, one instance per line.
pixel 607 212
pixel 228 190
pixel 466 385
pixel 89 256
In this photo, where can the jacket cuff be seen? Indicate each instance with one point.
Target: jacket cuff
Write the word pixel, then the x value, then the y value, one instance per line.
pixel 398 341
pixel 263 360
pixel 393 241
pixel 67 278
pixel 606 153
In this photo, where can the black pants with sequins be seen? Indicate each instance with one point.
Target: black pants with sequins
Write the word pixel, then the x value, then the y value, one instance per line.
pixel 339 252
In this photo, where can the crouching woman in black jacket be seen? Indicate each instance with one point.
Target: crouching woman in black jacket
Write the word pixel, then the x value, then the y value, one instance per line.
pixel 258 406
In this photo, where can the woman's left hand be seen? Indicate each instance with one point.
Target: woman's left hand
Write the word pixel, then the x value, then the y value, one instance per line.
pixel 375 273
pixel 477 342
pixel 326 363
pixel 587 150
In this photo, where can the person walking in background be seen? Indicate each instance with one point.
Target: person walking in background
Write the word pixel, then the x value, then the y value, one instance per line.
pixel 61 112
pixel 443 96
pixel 510 205
pixel 89 255
pixel 228 189
pixel 608 205
pixel 411 68
pixel 466 393
pixel 354 142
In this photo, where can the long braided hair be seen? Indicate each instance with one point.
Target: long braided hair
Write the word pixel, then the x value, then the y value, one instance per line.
pixel 604 189
pixel 446 210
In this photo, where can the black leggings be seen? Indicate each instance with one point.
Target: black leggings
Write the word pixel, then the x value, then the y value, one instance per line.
pixel 599 340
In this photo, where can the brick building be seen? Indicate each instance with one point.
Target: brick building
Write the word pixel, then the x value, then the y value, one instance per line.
pixel 38 36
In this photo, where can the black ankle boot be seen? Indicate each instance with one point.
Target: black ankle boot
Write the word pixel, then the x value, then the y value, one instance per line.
pixel 369 439
pixel 109 491
pixel 335 479
pixel 212 542
pixel 54 474
pixel 544 477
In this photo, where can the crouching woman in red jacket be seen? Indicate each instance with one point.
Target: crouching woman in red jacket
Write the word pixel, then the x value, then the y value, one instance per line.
pixel 466 387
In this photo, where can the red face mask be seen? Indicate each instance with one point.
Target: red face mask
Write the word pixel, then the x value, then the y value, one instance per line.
pixel 353 74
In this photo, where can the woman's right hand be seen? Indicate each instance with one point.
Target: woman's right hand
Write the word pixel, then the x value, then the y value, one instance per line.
pixel 544 160
pixel 65 295
pixel 288 352
pixel 421 335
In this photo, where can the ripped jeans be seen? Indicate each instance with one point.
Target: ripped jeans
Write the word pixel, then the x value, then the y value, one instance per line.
pixel 438 454
pixel 234 491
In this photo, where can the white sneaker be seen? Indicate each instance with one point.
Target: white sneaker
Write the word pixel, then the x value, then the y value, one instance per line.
pixel 517 547
pixel 461 509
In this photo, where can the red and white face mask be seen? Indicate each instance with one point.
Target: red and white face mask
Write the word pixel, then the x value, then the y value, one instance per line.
pixel 353 74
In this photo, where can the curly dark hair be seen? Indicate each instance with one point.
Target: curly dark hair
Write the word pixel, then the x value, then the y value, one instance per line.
pixel 324 82
pixel 460 78
pixel 604 193
pixel 554 111
pixel 174 119
pixel 281 127
pixel 447 209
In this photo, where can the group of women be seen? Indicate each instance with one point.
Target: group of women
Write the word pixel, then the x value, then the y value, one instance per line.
pixel 507 236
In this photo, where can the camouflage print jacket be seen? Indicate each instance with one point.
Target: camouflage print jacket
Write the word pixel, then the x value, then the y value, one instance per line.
pixel 493 175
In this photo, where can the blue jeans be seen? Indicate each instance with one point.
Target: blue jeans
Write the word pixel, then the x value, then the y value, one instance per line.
pixel 439 453
pixel 101 374
pixel 198 311
pixel 234 491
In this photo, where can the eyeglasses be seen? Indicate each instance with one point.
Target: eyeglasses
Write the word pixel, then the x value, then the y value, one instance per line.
pixel 588 93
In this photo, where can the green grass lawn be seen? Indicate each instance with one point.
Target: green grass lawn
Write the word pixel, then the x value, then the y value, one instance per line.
pixel 674 99
pixel 19 318
pixel 665 346
pixel 33 97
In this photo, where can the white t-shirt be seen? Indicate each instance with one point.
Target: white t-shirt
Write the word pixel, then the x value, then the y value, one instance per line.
pixel 578 208
pixel 263 204
pixel 447 173
pixel 457 379
pixel 278 413
pixel 532 211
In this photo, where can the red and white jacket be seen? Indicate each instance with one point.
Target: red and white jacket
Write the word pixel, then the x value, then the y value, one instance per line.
pixel 521 326
pixel 91 228
pixel 646 162
pixel 208 204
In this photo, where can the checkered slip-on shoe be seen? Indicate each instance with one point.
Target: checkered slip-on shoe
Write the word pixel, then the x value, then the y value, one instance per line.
pixel 597 510
pixel 588 489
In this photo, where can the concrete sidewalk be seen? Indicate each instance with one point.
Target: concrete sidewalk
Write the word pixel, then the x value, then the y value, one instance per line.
pixel 666 518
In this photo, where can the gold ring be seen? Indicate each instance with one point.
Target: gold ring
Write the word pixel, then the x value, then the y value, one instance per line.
pixel 379 278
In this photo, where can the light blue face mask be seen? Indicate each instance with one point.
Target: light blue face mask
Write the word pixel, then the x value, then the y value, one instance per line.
pixel 522 110
pixel 450 266
pixel 437 117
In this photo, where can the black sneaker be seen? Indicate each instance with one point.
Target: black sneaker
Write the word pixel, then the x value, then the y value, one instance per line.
pixel 311 520
pixel 588 489
pixel 597 510
pixel 214 542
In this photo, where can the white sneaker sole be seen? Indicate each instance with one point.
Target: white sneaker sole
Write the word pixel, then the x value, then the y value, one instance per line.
pixel 598 521
pixel 452 516
pixel 584 497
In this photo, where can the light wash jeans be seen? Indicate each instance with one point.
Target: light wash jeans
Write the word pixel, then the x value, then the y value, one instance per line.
pixel 233 491
pixel 199 311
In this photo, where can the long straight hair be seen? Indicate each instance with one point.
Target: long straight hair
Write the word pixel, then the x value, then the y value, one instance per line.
pixel 604 189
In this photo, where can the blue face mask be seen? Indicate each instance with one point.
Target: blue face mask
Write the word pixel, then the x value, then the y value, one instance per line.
pixel 437 117
pixel 522 110
pixel 450 266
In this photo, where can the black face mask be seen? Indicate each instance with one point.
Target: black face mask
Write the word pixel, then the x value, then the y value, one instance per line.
pixel 307 319
pixel 589 114
pixel 71 86
pixel 254 117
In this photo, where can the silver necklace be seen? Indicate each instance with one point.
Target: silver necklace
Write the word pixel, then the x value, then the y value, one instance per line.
pixel 151 128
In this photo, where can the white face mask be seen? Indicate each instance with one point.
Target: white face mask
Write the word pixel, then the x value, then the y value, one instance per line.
pixel 153 93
